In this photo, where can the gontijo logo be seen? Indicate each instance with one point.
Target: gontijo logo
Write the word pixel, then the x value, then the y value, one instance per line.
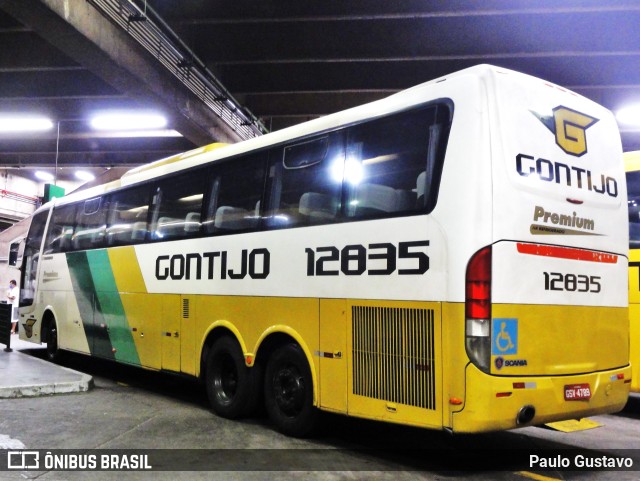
pixel 569 126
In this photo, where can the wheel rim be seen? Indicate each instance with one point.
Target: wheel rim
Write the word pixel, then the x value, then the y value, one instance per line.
pixel 225 379
pixel 289 390
pixel 52 343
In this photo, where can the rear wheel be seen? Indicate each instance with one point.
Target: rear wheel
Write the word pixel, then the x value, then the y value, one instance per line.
pixel 232 387
pixel 53 352
pixel 289 392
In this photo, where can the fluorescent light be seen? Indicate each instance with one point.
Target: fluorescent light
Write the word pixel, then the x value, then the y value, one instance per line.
pixel 44 176
pixel 629 115
pixel 84 175
pixel 114 134
pixel 24 124
pixel 128 121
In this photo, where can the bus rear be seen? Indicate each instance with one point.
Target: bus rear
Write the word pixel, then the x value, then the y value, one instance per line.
pixel 546 305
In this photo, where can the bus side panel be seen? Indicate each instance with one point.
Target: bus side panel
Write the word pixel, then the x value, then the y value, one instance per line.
pixel 395 362
pixel 188 337
pixel 170 325
pixel 454 360
pixel 142 310
pixel 333 355
pixel 56 290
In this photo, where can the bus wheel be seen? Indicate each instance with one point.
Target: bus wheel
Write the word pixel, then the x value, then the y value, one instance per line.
pixel 289 392
pixel 53 353
pixel 231 385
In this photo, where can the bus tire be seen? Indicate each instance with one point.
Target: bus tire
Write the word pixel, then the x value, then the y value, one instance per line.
pixel 231 385
pixel 53 352
pixel 288 392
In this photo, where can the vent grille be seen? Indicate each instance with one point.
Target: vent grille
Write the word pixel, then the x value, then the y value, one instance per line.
pixel 185 308
pixel 393 355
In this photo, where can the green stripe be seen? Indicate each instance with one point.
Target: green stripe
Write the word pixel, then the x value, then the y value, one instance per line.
pixel 111 308
pixel 85 294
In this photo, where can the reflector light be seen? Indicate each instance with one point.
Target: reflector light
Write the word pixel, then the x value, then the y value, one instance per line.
pixel 503 394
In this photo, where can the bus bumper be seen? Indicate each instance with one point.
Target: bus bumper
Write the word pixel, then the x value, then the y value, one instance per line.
pixel 497 403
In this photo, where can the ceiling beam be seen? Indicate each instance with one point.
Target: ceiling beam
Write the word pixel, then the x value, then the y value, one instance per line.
pixel 89 38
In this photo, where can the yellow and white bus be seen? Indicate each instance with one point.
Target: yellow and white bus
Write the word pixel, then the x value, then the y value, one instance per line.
pixel 451 257
pixel 632 166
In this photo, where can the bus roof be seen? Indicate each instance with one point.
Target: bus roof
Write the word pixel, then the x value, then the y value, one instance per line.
pixel 217 151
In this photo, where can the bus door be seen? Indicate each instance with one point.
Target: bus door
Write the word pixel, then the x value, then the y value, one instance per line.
pixel 170 332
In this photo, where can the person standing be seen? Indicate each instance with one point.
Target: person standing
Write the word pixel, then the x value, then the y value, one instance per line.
pixel 12 296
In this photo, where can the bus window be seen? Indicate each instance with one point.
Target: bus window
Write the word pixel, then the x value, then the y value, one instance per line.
pixel 30 257
pixel 392 164
pixel 179 205
pixel 89 233
pixel 60 234
pixel 633 189
pixel 306 182
pixel 236 195
pixel 128 216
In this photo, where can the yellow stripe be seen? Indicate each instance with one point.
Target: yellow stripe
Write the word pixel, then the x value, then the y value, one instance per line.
pixel 126 270
pixel 143 311
pixel 538 477
pixel 176 158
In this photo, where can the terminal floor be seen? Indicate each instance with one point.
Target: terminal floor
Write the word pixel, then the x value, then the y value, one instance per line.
pixel 132 409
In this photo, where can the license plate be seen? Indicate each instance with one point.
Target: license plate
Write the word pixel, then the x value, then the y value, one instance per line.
pixel 577 392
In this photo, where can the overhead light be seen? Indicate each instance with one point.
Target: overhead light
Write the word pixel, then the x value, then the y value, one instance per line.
pixel 44 176
pixel 115 134
pixel 629 115
pixel 24 123
pixel 84 175
pixel 128 121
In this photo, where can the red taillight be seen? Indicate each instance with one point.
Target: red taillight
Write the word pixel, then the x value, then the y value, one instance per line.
pixel 478 285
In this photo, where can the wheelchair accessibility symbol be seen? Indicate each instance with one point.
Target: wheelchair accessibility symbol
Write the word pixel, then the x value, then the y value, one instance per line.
pixel 504 337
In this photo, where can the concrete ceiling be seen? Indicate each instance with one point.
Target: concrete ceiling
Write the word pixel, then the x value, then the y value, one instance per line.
pixel 287 61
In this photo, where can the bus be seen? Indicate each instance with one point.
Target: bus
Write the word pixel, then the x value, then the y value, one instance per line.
pixel 451 257
pixel 632 167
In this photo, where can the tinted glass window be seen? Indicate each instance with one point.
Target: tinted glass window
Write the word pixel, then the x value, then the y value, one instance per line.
pixel 30 258
pixel 306 182
pixel 61 228
pixel 178 206
pixel 90 226
pixel 393 164
pixel 127 218
pixel 236 195
pixel 633 188
pixel 13 253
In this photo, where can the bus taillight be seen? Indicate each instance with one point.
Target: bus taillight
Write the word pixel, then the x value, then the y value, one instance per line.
pixel 478 308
